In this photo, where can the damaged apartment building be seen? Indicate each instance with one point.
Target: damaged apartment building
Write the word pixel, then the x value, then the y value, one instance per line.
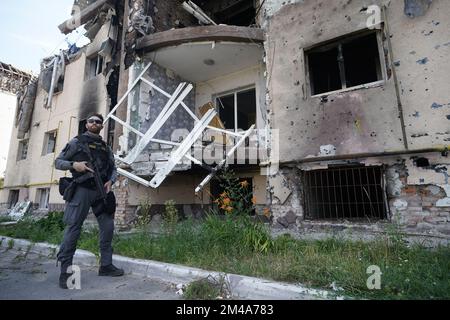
pixel 336 112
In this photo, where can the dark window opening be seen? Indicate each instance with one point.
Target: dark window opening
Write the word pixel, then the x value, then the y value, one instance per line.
pixel 240 103
pixel 344 64
pixel 94 66
pixel 231 12
pixel 226 110
pixel 354 193
pixel 13 198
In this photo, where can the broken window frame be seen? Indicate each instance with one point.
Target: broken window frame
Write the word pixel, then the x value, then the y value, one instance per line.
pixel 96 60
pixel 235 92
pixel 47 141
pixel 337 43
pixel 43 197
pixel 175 100
pixel 22 151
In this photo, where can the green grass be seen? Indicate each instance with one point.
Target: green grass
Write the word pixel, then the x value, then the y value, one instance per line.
pixel 5 219
pixel 241 247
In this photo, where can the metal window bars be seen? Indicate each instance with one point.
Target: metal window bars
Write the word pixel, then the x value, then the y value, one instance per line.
pixel 355 193
pixel 182 149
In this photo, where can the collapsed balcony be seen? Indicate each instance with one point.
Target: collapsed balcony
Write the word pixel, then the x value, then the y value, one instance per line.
pixel 202 83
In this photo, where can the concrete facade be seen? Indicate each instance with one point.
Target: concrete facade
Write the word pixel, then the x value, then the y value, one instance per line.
pixel 403 113
pixel 397 123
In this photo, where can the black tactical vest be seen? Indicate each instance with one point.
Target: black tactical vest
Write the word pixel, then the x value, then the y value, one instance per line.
pixel 99 152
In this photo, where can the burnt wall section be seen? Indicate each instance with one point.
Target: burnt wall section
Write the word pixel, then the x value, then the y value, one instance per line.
pixel 151 102
pixel 25 106
pixel 170 14
pixel 94 97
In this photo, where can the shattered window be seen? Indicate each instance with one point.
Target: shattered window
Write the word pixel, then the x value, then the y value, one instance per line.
pixel 237 110
pixel 23 150
pixel 344 64
pixel 94 66
pixel 49 143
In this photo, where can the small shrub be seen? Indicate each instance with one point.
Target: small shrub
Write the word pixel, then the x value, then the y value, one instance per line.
pixel 256 236
pixel 144 217
pixel 209 288
pixel 10 244
pixel 170 216
pixel 237 199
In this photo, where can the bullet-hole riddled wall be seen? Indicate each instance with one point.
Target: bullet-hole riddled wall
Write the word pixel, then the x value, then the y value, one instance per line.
pixel 361 113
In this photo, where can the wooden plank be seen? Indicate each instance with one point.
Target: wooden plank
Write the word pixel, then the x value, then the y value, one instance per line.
pixel 203 33
pixel 81 18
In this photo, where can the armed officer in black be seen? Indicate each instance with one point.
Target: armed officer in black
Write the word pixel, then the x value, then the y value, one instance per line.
pixel 75 157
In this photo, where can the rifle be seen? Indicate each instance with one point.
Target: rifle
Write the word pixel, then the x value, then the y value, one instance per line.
pixel 108 201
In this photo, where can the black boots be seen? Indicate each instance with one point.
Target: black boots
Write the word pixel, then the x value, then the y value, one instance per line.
pixel 110 271
pixel 63 280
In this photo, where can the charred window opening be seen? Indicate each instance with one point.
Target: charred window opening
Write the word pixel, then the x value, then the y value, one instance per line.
pixel 94 66
pixel 237 110
pixel 354 193
pixel 344 64
pixel 13 198
pixel 231 12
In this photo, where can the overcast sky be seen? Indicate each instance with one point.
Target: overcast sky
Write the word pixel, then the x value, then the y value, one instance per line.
pixel 29 31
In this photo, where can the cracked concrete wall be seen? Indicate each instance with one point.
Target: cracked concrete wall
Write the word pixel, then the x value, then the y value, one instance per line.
pixel 418 197
pixel 421 48
pixel 364 120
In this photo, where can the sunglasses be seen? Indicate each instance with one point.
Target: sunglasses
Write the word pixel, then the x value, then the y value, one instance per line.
pixel 95 121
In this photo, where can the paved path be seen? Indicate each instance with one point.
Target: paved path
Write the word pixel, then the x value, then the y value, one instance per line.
pixel 33 276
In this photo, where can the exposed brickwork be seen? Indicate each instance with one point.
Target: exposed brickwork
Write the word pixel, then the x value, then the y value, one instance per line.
pixel 125 213
pixel 413 207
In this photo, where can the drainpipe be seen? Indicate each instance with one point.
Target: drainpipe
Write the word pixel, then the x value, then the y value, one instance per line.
pixel 394 74
pixel 54 153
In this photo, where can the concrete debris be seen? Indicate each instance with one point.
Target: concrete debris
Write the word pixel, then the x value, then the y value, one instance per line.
pixel 328 150
pixel 139 21
pixel 20 210
pixel 12 80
